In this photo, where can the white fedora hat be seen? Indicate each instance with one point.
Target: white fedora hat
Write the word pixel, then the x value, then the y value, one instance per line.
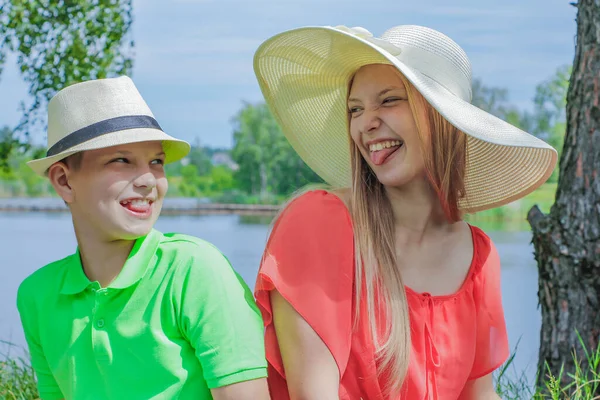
pixel 304 76
pixel 101 113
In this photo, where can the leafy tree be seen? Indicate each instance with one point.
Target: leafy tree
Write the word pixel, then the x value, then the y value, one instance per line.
pixel 190 181
pixel 549 114
pixel 290 172
pixel 254 133
pixel 199 157
pixel 221 179
pixel 58 43
pixel 9 144
pixel 550 103
pixel 266 160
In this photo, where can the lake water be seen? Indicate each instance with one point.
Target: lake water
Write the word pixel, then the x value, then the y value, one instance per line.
pixel 30 240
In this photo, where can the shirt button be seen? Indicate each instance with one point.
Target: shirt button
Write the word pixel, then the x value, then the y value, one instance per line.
pixel 100 323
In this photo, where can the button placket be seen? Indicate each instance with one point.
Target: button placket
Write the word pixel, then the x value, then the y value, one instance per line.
pixel 100 297
pixel 432 355
pixel 99 334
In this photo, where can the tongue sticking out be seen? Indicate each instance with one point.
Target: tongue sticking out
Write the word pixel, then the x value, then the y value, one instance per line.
pixel 137 208
pixel 379 157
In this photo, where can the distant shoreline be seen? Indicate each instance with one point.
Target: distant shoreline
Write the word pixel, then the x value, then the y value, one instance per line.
pixel 171 206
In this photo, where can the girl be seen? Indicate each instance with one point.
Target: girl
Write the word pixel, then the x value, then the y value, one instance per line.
pixel 376 288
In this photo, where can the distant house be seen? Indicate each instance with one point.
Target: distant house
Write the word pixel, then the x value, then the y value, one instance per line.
pixel 222 158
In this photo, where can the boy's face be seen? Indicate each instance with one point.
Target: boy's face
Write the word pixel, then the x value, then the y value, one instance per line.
pixel 117 193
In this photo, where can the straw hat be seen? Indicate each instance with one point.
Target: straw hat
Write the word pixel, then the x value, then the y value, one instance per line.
pixel 304 75
pixel 101 113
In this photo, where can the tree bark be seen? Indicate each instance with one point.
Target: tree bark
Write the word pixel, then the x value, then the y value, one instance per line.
pixel 567 240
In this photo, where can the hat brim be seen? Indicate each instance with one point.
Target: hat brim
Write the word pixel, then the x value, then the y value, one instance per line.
pixel 304 76
pixel 174 149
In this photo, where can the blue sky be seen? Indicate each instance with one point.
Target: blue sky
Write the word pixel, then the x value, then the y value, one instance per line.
pixel 193 58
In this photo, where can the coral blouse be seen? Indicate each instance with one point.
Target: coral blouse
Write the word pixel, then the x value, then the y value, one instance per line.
pixel 309 260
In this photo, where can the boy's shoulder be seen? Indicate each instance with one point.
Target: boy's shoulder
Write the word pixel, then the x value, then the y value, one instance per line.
pixel 187 244
pixel 196 262
pixel 191 250
pixel 47 278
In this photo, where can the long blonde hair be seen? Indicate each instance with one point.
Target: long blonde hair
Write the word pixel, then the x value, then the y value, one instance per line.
pixel 444 152
pixel 376 270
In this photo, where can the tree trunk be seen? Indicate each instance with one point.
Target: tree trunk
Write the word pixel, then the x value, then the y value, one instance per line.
pixel 567 241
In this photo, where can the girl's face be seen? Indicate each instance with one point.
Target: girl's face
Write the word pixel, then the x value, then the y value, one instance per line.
pixel 383 127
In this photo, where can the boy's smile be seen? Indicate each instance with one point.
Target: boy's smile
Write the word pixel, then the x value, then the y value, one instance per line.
pixel 138 207
pixel 117 192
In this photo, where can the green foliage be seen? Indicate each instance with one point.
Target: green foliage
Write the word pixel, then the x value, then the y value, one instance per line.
pixel 550 103
pixel 35 185
pixel 254 132
pixel 59 43
pixel 199 157
pixel 511 217
pixel 237 196
pixel 16 178
pixel 266 160
pixel 193 184
pixel 9 145
pixel 190 181
pixel 221 179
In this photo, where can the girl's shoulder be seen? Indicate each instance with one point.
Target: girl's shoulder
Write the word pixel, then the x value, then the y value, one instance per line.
pixel 315 207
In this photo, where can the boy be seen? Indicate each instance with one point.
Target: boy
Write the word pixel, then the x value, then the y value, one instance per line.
pixel 133 314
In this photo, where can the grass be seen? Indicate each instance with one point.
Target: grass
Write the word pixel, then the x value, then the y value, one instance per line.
pixel 17 380
pixel 584 383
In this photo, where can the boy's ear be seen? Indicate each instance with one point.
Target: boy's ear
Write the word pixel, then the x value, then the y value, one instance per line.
pixel 59 173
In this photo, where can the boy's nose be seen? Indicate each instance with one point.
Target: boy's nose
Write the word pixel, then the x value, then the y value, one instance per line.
pixel 146 179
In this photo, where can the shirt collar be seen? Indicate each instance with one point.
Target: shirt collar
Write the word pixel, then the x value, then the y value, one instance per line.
pixel 133 270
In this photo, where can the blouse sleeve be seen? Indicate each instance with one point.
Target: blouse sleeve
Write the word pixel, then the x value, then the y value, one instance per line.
pixel 491 337
pixel 309 260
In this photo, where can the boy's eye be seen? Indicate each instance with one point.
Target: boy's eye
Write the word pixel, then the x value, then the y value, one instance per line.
pixel 158 161
pixel 120 160
pixel 353 110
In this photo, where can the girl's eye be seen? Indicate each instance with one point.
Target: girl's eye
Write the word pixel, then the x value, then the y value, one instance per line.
pixel 354 110
pixel 158 161
pixel 120 160
pixel 391 100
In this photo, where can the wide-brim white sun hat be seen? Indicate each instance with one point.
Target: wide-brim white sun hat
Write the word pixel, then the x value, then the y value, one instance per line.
pixel 102 113
pixel 304 75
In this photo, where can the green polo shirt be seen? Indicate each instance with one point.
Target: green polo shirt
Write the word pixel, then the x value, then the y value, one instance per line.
pixel 175 323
